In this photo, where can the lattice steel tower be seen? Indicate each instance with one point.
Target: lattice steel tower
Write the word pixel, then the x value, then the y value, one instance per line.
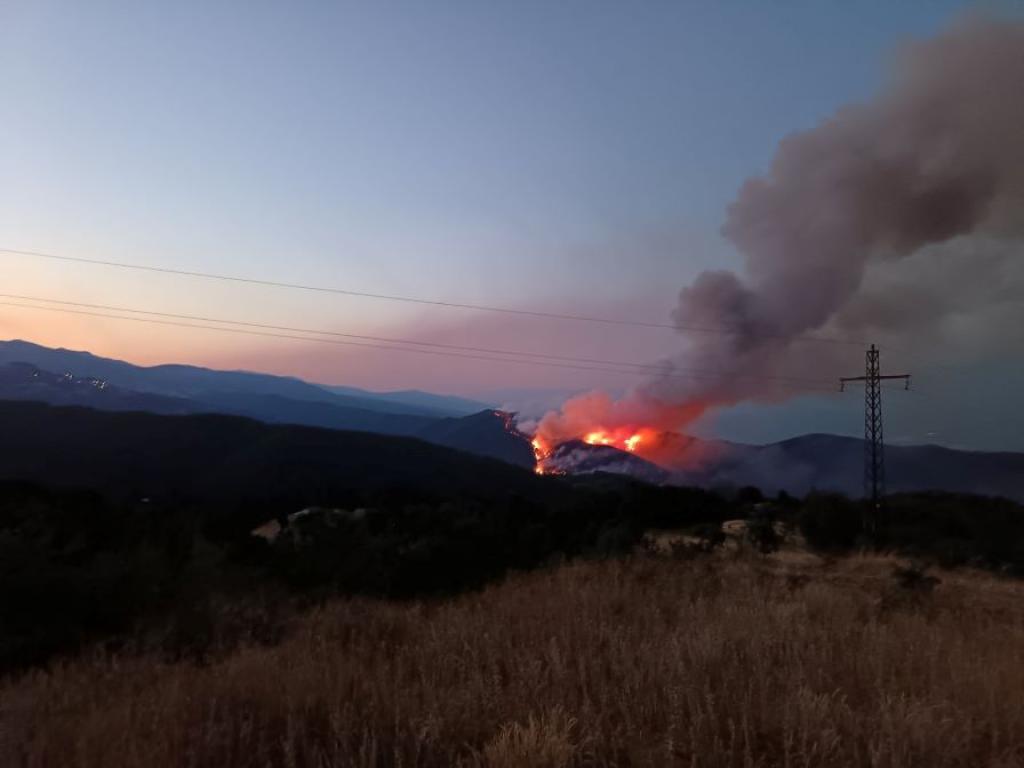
pixel 874 446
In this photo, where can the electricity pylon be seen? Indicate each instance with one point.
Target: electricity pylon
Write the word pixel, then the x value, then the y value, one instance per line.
pixel 874 447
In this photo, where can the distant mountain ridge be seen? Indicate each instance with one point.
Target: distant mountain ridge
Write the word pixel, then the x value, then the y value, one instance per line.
pixel 819 462
pixel 833 462
pixel 442 405
pixel 24 381
pixel 191 381
pixel 240 460
pixel 192 389
pixel 798 465
pixel 489 433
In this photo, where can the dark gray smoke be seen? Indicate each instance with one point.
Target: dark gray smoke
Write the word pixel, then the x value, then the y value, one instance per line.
pixel 901 217
pixel 936 158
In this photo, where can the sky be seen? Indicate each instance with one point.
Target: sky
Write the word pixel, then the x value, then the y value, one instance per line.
pixel 559 157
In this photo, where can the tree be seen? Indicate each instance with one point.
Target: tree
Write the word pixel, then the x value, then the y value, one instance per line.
pixel 830 522
pixel 761 530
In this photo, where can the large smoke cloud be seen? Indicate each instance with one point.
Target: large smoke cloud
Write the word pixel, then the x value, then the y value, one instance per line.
pixel 925 182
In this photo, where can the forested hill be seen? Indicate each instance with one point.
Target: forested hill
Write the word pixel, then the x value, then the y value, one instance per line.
pixel 214 457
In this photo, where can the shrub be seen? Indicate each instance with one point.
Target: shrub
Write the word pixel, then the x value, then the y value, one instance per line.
pixel 762 534
pixel 915 578
pixel 749 494
pixel 830 522
pixel 709 537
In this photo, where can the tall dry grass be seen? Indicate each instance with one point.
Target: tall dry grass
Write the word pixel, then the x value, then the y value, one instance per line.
pixel 641 662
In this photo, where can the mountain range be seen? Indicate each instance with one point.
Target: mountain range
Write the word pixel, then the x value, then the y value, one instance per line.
pixel 66 377
pixel 194 382
pixel 29 372
pixel 834 463
pixel 238 461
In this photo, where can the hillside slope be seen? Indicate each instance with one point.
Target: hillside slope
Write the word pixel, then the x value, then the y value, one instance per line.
pixel 24 381
pixel 487 433
pixel 197 383
pixel 226 457
pixel 831 462
pixel 440 405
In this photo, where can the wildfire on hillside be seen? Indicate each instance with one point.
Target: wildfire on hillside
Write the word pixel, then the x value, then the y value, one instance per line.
pixel 672 451
pixel 916 187
pixel 622 439
pixel 646 428
pixel 541 454
pixel 541 449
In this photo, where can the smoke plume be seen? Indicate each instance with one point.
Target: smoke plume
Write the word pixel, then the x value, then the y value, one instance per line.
pixel 924 182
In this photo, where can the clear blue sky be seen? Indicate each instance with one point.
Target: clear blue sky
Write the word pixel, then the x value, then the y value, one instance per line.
pixel 561 155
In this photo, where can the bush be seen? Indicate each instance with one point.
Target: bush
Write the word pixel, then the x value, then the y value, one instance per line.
pixel 830 522
pixel 749 495
pixel 709 537
pixel 761 531
pixel 915 578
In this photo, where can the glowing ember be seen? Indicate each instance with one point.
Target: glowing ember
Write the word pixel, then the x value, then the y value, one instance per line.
pixel 541 451
pixel 632 442
pixel 540 454
pixel 508 420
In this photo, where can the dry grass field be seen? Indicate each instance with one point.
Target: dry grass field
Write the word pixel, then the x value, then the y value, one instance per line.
pixel 717 661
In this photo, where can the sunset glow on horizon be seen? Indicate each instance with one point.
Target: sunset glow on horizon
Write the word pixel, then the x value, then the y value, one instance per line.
pixel 484 156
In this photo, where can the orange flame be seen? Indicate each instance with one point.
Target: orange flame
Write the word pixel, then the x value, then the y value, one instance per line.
pixel 623 439
pixel 644 428
pixel 638 423
pixel 598 438
pixel 539 454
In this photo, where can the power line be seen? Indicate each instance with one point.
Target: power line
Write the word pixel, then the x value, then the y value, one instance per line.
pixel 305 338
pixel 341 291
pixel 641 367
pixel 415 300
pixel 293 337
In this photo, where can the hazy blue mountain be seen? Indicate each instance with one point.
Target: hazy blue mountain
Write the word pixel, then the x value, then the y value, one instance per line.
pixel 283 410
pixel 798 466
pixel 24 381
pixel 242 461
pixel 192 382
pixel 819 462
pixel 277 399
pixel 442 405
pixel 171 380
pixel 487 433
pixel 831 462
pixel 824 462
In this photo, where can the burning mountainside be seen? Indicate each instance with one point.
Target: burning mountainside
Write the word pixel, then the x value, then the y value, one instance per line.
pixel 579 458
pixel 646 428
pixel 613 451
pixel 487 433
pixel 926 180
pixel 631 426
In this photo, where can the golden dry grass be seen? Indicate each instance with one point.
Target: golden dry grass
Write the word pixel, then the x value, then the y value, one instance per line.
pixel 641 662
